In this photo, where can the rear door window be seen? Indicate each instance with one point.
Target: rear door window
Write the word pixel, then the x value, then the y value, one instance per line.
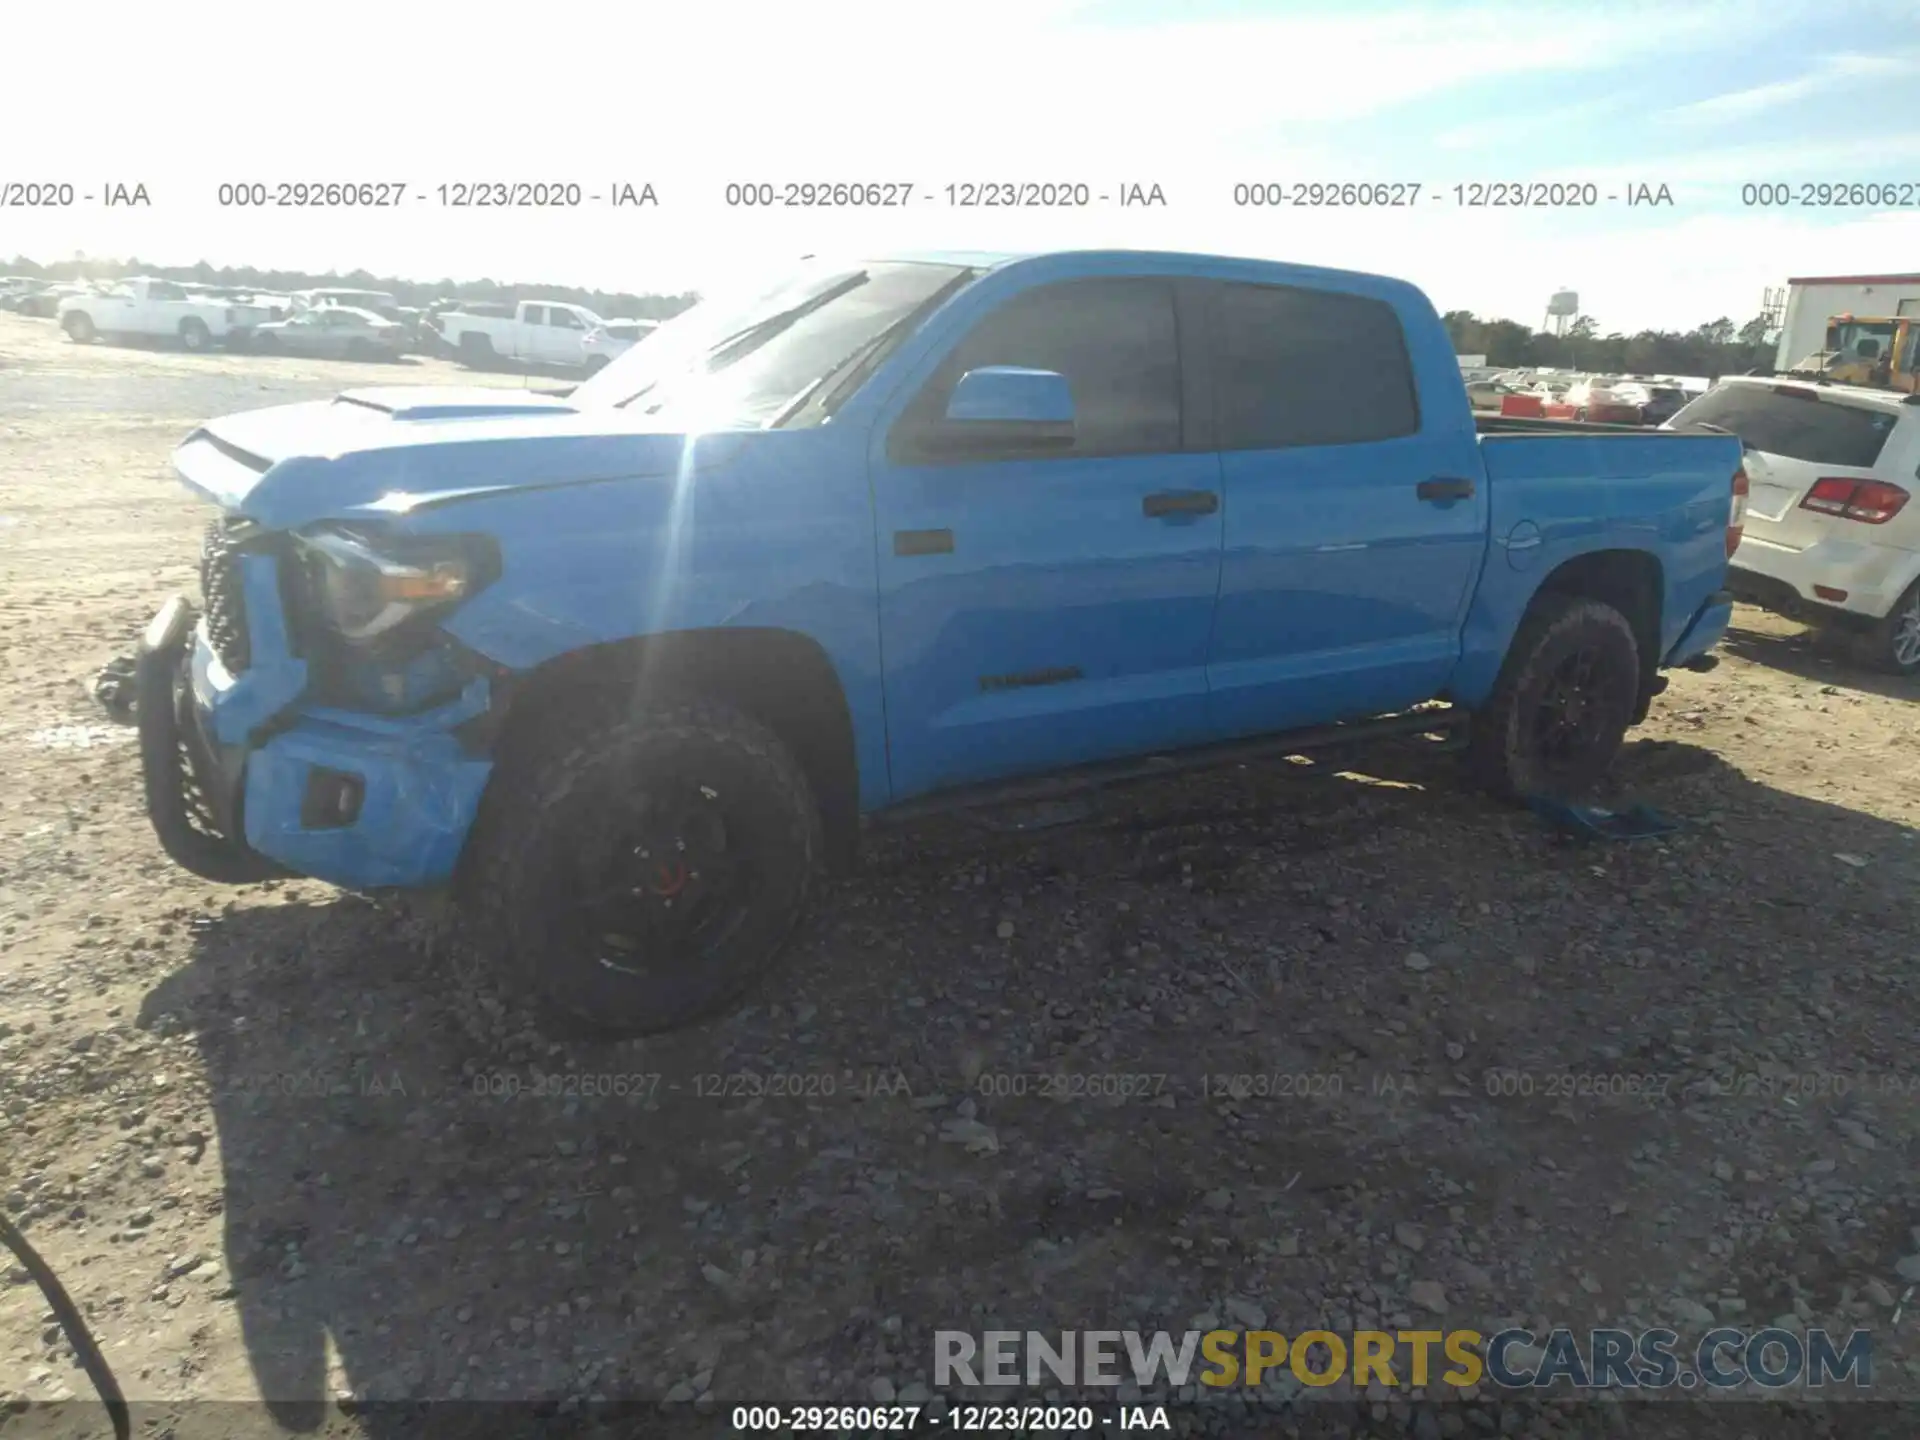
pixel 1795 422
pixel 1309 367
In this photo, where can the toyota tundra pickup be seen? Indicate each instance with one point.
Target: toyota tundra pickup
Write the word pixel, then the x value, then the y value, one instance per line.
pixel 621 670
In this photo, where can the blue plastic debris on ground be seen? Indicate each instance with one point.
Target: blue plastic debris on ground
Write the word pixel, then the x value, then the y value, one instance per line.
pixel 1591 822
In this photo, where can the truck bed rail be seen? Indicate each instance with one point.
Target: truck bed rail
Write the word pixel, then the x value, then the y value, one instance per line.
pixel 1525 425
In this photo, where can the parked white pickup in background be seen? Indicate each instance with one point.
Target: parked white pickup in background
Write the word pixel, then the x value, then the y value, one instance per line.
pixel 541 332
pixel 158 309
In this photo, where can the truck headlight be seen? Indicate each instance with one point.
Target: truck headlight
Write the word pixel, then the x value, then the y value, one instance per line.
pixel 364 585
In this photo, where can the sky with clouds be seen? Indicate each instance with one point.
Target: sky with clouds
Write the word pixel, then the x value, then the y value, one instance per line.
pixel 1195 97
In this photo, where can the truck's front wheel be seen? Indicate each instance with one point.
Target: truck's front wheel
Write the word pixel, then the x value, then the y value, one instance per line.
pixel 1564 700
pixel 646 872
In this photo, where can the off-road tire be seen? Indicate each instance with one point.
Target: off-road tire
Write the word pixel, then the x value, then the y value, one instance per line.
pixel 194 335
pixel 1882 645
pixel 80 328
pixel 1502 754
pixel 571 794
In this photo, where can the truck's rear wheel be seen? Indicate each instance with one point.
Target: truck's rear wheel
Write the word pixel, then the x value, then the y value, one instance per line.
pixel 645 873
pixel 1562 705
pixel 476 351
pixel 194 334
pixel 79 328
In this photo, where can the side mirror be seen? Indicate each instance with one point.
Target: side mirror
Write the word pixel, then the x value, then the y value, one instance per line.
pixel 1005 408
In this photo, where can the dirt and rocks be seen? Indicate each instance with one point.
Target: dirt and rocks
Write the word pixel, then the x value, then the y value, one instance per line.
pixel 1485 1077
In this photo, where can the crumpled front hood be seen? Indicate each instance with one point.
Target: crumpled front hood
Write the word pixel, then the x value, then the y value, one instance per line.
pixel 388 450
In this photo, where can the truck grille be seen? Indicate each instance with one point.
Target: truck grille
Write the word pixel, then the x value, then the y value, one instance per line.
pixel 220 588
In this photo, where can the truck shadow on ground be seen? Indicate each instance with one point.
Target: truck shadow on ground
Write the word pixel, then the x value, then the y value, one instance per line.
pixel 485 1215
pixel 1819 656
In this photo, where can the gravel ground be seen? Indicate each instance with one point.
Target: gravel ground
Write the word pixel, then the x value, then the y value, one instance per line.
pixel 274 1161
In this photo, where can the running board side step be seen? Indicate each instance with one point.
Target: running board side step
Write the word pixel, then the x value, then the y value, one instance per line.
pixel 1445 722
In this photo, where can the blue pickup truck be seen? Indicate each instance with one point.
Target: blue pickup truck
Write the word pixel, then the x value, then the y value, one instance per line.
pixel 624 668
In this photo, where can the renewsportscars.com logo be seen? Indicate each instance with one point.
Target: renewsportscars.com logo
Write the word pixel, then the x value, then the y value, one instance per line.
pixel 1722 1358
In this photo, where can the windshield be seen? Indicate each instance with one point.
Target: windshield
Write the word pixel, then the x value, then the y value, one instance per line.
pixel 741 361
pixel 1847 338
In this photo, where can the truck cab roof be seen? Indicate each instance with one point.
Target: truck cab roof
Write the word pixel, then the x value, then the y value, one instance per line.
pixel 1171 260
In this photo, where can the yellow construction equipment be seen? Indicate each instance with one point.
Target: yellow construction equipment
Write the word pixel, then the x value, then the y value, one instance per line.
pixel 1878 351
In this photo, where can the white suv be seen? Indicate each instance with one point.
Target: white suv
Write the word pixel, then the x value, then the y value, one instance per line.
pixel 1830 533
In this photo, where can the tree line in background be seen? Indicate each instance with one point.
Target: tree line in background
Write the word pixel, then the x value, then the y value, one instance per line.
pixel 1710 350
pixel 614 304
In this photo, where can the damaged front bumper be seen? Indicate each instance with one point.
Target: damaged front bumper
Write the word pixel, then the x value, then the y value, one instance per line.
pixel 243 782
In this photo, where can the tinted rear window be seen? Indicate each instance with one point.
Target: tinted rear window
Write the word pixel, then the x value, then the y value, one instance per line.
pixel 1310 367
pixel 1798 426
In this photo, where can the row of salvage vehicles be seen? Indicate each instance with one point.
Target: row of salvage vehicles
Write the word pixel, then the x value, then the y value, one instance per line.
pixel 333 323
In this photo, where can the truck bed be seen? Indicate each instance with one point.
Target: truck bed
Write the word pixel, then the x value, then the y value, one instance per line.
pixel 1662 495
